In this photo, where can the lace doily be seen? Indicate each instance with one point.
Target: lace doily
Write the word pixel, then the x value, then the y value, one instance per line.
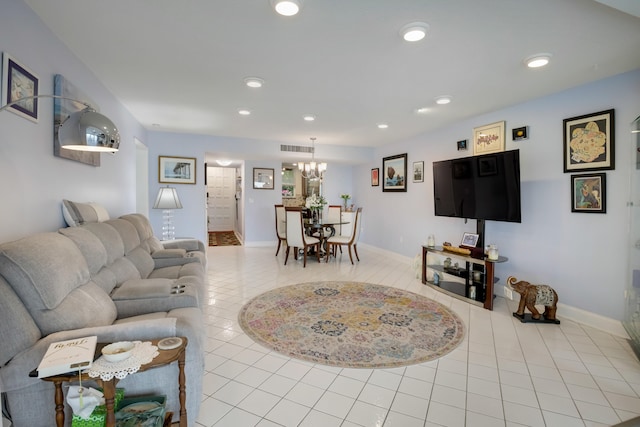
pixel 143 352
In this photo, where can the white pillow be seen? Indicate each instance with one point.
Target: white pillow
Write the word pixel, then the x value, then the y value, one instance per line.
pixel 76 214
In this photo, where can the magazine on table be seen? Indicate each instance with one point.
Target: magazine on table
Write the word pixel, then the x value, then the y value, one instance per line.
pixel 68 356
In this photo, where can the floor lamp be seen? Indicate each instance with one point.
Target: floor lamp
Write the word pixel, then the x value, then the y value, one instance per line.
pixel 167 200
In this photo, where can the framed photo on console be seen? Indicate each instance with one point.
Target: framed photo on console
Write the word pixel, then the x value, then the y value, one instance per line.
pixel 469 240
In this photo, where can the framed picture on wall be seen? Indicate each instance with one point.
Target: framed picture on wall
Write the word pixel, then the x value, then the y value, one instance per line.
pixel 488 138
pixel 394 171
pixel 589 142
pixel 375 172
pixel 588 193
pixel 418 171
pixel 176 170
pixel 263 178
pixel 19 82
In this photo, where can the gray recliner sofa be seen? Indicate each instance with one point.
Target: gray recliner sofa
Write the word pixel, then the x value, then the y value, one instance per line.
pixel 112 279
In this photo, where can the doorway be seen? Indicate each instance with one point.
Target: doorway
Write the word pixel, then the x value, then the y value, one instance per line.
pixel 222 201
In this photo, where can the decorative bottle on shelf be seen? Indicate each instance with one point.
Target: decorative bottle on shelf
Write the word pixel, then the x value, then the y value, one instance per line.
pixel 493 253
pixel 431 241
pixel 436 279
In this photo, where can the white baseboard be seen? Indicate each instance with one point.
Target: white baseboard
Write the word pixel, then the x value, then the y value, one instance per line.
pixel 593 320
pixel 578 315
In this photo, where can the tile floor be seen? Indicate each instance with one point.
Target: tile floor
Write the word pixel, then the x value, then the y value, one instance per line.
pixel 505 373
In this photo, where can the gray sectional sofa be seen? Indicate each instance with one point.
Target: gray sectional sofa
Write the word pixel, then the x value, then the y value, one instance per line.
pixel 112 279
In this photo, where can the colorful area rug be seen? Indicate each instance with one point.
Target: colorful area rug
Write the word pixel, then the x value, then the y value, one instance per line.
pixel 351 324
pixel 223 238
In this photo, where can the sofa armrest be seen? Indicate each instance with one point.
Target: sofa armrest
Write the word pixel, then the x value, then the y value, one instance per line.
pixel 187 244
pixel 169 253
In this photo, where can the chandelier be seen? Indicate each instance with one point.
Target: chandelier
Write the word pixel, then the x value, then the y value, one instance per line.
pixel 313 170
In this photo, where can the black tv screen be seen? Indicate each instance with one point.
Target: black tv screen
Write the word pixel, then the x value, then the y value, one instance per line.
pixel 480 187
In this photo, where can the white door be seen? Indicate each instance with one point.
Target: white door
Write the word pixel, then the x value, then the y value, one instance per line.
pixel 221 202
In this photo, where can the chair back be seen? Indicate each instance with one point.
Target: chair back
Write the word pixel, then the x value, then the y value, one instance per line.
pixel 281 227
pixel 357 227
pixel 295 229
pixel 346 230
pixel 334 214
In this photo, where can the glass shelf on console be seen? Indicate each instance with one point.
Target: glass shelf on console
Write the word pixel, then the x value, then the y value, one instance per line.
pixel 472 281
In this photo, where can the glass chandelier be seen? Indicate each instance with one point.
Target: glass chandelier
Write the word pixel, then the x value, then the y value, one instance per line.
pixel 313 170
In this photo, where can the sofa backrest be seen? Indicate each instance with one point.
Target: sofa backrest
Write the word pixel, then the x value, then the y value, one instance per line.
pixel 51 277
pixel 18 331
pixel 145 232
pixel 133 251
pixel 96 255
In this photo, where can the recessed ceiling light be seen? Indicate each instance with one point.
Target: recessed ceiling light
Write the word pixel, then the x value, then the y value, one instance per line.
pixel 414 31
pixel 223 162
pixel 309 118
pixel 244 112
pixel 538 60
pixel 442 100
pixel 254 82
pixel 286 7
pixel 382 126
pixel 422 110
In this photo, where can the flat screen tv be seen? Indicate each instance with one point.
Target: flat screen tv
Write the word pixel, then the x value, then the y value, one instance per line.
pixel 485 187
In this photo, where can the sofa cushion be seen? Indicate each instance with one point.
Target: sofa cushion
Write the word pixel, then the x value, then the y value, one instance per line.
pixel 18 331
pixel 76 214
pixel 143 288
pixel 110 238
pixel 50 275
pixel 91 247
pixel 128 233
pixel 85 306
pixel 43 269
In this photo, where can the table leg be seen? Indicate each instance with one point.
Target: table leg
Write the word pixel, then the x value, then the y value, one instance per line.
pixel 109 391
pixel 182 389
pixel 59 399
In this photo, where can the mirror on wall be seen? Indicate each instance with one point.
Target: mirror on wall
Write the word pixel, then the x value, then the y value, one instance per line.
pixel 296 188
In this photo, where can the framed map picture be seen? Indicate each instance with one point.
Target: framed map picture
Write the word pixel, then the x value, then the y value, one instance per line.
pixel 589 142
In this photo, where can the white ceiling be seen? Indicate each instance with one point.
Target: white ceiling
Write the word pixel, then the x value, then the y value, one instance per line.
pixel 179 65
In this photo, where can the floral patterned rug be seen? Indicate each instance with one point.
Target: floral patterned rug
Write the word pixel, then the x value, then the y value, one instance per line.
pixel 223 238
pixel 351 324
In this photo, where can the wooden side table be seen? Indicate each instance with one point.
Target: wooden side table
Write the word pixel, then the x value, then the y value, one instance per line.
pixel 165 357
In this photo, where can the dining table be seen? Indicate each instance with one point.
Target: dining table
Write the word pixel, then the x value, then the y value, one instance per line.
pixel 322 229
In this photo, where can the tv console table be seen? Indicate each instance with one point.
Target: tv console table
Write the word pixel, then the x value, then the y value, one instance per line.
pixel 472 281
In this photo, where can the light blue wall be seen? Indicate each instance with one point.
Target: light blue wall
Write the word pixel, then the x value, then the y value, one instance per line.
pixel 32 181
pixel 583 256
pixel 258 204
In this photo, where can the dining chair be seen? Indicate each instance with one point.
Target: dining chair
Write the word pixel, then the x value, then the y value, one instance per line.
pixel 296 237
pixel 281 229
pixel 350 241
pixel 334 215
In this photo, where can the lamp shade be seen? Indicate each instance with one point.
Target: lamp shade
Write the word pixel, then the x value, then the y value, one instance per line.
pixel 167 199
pixel 88 130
